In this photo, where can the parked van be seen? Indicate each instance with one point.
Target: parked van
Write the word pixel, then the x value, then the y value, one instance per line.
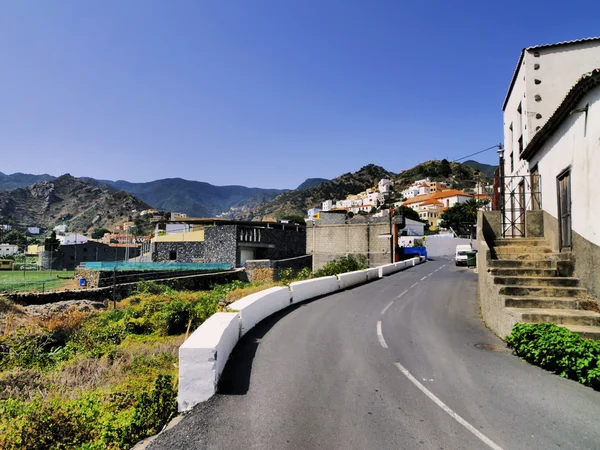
pixel 461 254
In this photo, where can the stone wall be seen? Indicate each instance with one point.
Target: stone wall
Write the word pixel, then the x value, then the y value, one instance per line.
pixel 70 256
pixel 268 270
pixel 221 244
pixel 329 242
pixel 184 251
pixel 191 282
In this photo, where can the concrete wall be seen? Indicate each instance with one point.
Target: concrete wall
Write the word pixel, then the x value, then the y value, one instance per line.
pixel 260 305
pixel 307 289
pixel 445 245
pixel 350 279
pixel 329 242
pixel 202 358
pixel 493 312
pixel 557 69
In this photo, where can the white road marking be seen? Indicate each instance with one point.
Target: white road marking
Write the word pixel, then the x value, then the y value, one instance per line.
pixel 402 294
pixel 414 285
pixel 380 335
pixel 424 277
pixel 448 410
pixel 388 305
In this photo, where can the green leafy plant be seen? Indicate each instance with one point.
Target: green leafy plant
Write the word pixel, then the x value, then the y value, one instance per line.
pixel 559 350
pixel 348 263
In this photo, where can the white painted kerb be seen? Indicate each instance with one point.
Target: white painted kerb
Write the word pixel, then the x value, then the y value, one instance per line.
pixel 350 279
pixel 256 307
pixel 307 289
pixel 202 358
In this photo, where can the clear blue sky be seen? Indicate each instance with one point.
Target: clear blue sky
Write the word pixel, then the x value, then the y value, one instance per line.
pixel 261 93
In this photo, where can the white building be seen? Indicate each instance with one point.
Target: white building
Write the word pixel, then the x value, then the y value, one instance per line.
pixel 327 205
pixel 543 76
pixel 410 192
pixel 312 213
pixel 71 239
pixel 33 230
pixel 8 250
pixel 552 148
pixel 5 227
pixel 384 186
pixel 176 215
pixel 61 228
pixel 424 189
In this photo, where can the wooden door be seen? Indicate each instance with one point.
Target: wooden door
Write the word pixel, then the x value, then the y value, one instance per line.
pixel 564 209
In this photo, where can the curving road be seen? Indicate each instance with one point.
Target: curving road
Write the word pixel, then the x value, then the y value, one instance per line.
pixel 388 365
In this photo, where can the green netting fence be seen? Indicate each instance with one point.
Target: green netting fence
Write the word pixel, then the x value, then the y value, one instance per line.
pixel 154 266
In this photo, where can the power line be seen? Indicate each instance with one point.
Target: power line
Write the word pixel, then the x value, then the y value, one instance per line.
pixel 477 153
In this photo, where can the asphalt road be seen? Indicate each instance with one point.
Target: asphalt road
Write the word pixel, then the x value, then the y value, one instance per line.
pixel 394 364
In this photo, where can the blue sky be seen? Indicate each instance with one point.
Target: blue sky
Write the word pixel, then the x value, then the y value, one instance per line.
pixel 260 93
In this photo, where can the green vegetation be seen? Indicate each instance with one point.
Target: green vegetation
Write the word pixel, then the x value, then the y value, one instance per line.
pixel 559 350
pixel 99 380
pixel 33 280
pixel 462 217
pixel 344 264
pixel 98 233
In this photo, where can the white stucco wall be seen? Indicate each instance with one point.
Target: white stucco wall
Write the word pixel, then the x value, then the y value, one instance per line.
pixel 558 69
pixel 576 143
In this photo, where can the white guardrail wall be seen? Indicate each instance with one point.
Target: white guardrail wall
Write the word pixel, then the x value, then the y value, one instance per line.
pixel 203 355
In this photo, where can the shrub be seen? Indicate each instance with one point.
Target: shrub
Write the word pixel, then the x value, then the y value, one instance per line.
pixel 347 263
pixel 559 350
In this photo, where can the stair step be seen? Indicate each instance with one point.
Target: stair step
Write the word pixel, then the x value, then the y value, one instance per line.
pixel 542 291
pixel 518 250
pixel 548 303
pixel 557 316
pixel 526 256
pixel 537 281
pixel 530 263
pixel 587 331
pixel 523 271
pixel 532 242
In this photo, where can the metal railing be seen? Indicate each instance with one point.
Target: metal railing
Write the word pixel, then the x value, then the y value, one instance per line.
pixel 515 196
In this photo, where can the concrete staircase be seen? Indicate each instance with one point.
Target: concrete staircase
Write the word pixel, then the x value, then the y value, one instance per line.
pixel 525 271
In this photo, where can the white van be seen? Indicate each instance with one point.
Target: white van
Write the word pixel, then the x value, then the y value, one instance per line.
pixel 461 254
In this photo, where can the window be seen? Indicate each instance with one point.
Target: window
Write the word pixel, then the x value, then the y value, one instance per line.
pixel 172 255
pixel 512 163
pixel 520 145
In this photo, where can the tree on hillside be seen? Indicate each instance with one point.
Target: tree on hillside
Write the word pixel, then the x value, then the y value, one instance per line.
pixel 296 218
pixel 51 243
pixel 407 212
pixel 462 216
pixel 16 237
pixel 99 233
pixel 444 169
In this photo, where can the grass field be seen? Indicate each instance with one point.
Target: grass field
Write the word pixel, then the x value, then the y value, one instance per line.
pixel 30 280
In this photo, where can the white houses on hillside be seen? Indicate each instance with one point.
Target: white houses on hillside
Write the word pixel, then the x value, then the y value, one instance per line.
pixel 552 150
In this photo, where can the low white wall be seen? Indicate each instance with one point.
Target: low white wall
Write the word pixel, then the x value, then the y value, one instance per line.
pixel 373 274
pixel 255 307
pixel 202 358
pixel 203 355
pixel 350 279
pixel 388 269
pixel 307 289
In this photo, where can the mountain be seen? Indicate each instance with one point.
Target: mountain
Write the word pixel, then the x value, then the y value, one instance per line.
pixel 296 202
pixel 195 198
pixel 81 204
pixel 457 175
pixel 486 169
pixel 310 182
pixel 17 180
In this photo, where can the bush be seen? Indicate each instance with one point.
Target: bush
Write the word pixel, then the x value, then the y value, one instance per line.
pixel 347 263
pixel 559 350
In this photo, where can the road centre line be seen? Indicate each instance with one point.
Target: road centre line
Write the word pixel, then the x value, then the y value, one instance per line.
pixel 402 294
pixel 380 335
pixel 414 285
pixel 388 305
pixel 446 408
pixel 424 277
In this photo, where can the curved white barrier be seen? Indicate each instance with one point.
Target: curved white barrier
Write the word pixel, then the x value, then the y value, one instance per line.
pixel 307 289
pixel 350 279
pixel 202 358
pixel 203 355
pixel 255 307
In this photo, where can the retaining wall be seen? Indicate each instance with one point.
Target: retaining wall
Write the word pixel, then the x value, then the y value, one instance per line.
pixel 256 307
pixel 307 289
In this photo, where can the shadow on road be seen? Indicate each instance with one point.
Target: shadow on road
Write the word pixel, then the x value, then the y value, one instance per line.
pixel 235 379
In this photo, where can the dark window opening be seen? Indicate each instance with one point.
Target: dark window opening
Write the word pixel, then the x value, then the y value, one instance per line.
pixel 172 255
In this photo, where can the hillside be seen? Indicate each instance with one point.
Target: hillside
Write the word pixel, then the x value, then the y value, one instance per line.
pixel 17 180
pixel 310 182
pixel 79 203
pixel 299 201
pixel 195 198
pixel 457 175
pixel 485 169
